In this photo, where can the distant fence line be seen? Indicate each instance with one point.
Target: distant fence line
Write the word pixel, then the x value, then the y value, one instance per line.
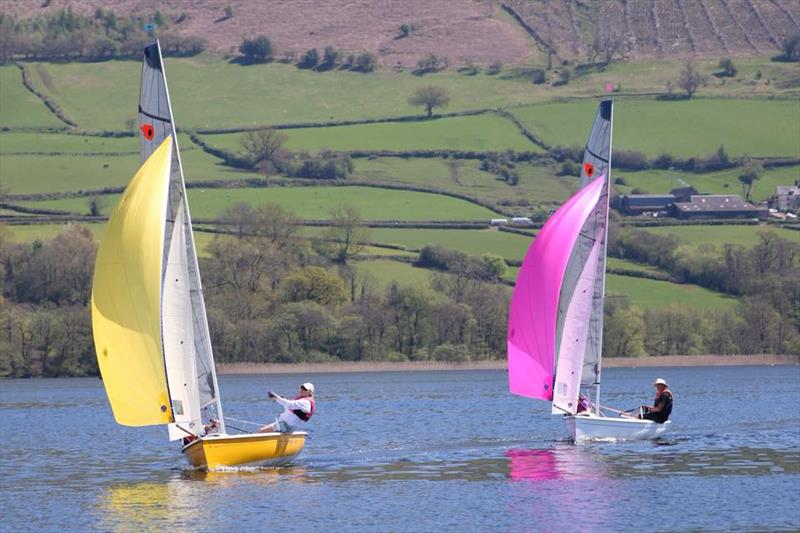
pixel 343 122
pixel 262 183
pixel 50 104
pixel 528 134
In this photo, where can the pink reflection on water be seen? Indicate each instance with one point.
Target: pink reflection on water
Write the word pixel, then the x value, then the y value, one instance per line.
pixel 550 484
pixel 567 462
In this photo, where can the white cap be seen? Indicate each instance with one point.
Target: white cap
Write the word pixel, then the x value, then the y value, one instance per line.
pixel 659 381
pixel 309 387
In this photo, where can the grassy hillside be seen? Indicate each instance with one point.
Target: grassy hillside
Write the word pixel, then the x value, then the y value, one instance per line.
pixel 487 132
pixel 47 143
pixel 538 184
pixel 211 93
pixel 18 106
pixel 25 174
pixel 310 203
pixel 208 92
pixel 697 236
pixel 723 182
pixel 682 128
pixel 653 294
pixel 474 242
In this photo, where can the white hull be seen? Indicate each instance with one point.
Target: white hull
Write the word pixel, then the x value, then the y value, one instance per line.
pixel 588 428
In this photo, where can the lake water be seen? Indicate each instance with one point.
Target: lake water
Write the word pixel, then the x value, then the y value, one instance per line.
pixel 417 451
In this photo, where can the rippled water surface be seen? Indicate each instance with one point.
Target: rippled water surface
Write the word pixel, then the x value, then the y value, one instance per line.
pixel 419 451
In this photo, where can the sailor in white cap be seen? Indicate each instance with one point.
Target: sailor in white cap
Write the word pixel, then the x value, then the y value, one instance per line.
pixel 296 413
pixel 662 406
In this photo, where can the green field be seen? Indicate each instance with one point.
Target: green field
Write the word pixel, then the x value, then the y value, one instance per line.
pixel 25 174
pixel 384 272
pixel 207 92
pixel 682 128
pixel 486 132
pixel 538 184
pixel 723 182
pixel 46 232
pixel 615 262
pixel 750 115
pixel 717 235
pixel 18 106
pixel 652 294
pixel 379 250
pixel 473 242
pixel 311 203
pixel 46 143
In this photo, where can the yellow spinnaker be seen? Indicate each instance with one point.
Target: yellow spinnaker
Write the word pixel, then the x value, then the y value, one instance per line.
pixel 126 297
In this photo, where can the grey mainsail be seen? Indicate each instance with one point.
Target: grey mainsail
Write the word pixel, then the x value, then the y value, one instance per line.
pixel 187 346
pixel 589 247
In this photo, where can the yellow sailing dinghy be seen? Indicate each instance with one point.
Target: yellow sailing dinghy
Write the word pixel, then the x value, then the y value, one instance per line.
pixel 148 315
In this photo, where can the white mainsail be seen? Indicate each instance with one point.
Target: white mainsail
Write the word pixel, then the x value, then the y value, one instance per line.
pixel 579 326
pixel 188 355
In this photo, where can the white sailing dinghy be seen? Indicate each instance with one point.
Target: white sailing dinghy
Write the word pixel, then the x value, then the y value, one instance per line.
pixel 148 315
pixel 555 325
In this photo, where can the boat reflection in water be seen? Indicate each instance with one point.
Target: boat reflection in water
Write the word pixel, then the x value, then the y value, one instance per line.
pixel 184 501
pixel 548 484
pixel 561 462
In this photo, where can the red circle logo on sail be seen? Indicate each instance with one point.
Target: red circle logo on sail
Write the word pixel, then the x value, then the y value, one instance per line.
pixel 588 169
pixel 147 131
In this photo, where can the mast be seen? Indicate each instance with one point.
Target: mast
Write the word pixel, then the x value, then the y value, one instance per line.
pixel 601 304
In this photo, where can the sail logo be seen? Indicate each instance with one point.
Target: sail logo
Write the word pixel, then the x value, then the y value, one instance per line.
pixel 148 131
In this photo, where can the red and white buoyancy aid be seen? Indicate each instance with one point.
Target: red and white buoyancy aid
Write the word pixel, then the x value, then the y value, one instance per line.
pixel 299 413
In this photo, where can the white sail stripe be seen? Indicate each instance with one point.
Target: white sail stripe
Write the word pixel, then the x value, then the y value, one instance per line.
pixel 573 341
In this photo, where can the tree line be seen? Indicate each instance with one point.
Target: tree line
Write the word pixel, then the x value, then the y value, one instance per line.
pixel 274 295
pixel 765 277
pixel 66 34
pixel 260 50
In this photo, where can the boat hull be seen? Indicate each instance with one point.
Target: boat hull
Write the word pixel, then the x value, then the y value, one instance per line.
pixel 217 451
pixel 593 428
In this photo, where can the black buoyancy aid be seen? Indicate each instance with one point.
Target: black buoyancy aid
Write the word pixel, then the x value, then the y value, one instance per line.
pixel 667 410
pixel 302 415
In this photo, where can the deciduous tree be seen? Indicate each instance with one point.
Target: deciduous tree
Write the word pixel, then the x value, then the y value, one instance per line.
pixel 430 97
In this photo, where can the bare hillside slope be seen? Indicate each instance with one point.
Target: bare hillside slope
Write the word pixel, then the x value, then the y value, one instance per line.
pixel 662 28
pixel 456 29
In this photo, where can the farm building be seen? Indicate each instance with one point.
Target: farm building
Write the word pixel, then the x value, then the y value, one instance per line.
pixel 717 206
pixel 636 204
pixel 683 194
pixel 786 198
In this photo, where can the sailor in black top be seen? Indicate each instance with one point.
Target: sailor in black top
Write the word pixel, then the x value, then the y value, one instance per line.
pixel 662 406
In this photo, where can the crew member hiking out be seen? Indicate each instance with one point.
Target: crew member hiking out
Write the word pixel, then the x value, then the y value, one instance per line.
pixel 296 412
pixel 662 406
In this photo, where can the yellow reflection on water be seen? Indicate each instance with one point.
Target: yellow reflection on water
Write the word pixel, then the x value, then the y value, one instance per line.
pixel 184 501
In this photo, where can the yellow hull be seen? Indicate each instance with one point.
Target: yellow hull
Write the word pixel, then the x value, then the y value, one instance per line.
pixel 254 449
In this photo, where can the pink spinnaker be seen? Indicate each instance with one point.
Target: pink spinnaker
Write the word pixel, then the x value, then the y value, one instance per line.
pixel 534 305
